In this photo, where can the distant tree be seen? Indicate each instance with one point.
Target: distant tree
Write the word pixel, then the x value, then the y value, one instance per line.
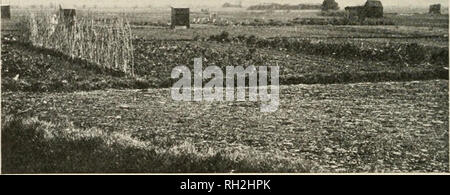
pixel 330 5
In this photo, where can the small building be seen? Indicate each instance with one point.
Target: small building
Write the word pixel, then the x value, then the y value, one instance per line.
pixel 435 9
pixel 354 10
pixel 6 11
pixel 372 9
pixel 180 17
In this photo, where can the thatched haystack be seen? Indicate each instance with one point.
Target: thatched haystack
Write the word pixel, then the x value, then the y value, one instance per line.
pixel 330 5
pixel 435 9
pixel 372 9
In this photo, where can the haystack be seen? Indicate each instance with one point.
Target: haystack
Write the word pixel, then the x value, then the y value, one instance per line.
pixel 435 9
pixel 372 9
pixel 6 11
pixel 180 17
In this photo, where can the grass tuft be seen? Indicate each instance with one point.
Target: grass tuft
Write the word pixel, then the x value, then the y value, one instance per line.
pixel 34 146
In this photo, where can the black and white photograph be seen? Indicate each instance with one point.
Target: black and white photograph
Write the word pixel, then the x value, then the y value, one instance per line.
pixel 224 87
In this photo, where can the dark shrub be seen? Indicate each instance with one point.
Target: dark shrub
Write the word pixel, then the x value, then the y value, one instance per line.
pixel 440 56
pixel 329 5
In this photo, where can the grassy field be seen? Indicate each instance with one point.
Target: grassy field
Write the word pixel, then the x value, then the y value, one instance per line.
pixel 367 127
pixel 354 98
pixel 40 70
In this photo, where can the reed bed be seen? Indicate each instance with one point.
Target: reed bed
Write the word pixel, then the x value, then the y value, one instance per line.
pixel 103 42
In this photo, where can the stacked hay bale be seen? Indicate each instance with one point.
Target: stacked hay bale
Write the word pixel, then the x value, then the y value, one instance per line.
pixel 180 17
pixel 6 11
pixel 372 9
pixel 67 15
pixel 435 9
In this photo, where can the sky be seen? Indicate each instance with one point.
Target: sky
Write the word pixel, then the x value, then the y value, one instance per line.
pixel 157 3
